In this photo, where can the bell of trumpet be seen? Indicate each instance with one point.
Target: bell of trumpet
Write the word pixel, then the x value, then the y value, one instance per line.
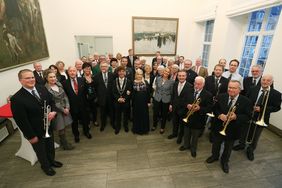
pixel 226 123
pixel 211 114
pixel 192 110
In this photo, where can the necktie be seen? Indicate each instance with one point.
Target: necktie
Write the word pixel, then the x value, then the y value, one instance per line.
pixel 254 82
pixel 230 76
pixel 216 83
pixel 230 103
pixel 40 74
pixel 261 97
pixel 179 88
pixel 195 95
pixel 36 96
pixel 105 79
pixel 197 70
pixel 75 86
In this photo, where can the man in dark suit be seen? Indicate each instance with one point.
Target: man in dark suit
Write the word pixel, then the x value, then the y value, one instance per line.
pixel 196 122
pixel 128 70
pixel 74 88
pixel 191 75
pixel 229 120
pixel 258 97
pixel 158 53
pixel 104 86
pixel 131 58
pixel 122 88
pixel 252 81
pixel 38 74
pixel 181 95
pixel 27 107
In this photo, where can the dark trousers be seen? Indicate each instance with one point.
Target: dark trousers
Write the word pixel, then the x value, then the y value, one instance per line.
pixel 121 110
pixel 256 135
pixel 83 117
pixel 191 138
pixel 228 145
pixel 93 110
pixel 45 151
pixel 160 109
pixel 105 110
pixel 178 127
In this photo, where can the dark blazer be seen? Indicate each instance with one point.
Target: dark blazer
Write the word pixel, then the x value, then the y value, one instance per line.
pixel 185 97
pixel 198 119
pixel 247 85
pixel 131 64
pixel 129 73
pixel 125 93
pixel 210 85
pixel 273 104
pixel 103 93
pixel 243 112
pixel 38 79
pixel 28 111
pixel 191 75
pixel 77 101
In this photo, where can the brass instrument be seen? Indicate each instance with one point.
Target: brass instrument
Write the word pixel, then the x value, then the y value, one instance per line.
pixel 260 121
pixel 211 114
pixel 47 110
pixel 226 123
pixel 192 110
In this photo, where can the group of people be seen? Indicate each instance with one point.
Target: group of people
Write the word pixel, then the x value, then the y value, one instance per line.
pixel 123 89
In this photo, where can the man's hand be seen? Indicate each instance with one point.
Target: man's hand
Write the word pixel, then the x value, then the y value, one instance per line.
pixel 170 108
pixel 34 140
pixel 51 115
pixel 222 117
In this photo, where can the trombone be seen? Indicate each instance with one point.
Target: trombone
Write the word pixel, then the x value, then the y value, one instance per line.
pixel 192 110
pixel 226 123
pixel 260 119
pixel 47 110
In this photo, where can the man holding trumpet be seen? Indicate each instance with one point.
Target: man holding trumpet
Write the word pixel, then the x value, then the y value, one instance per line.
pixel 264 100
pixel 232 111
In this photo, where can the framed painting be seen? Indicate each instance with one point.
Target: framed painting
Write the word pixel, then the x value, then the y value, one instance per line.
pixel 151 34
pixel 22 36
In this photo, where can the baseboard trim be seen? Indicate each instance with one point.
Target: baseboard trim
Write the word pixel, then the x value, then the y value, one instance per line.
pixel 275 130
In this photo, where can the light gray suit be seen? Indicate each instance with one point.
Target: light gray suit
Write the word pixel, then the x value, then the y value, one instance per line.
pixel 163 91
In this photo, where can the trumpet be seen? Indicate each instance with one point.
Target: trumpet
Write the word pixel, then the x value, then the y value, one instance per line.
pixel 260 120
pixel 192 110
pixel 47 110
pixel 226 123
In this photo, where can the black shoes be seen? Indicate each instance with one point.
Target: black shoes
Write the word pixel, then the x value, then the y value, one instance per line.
pixel 76 139
pixel 171 136
pixel 88 135
pixel 126 129
pixel 183 148
pixel 225 167
pixel 211 159
pixel 250 154
pixel 153 128
pixel 49 171
pixel 102 129
pixel 193 154
pixel 116 131
pixel 57 164
pixel 239 147
pixel 162 131
pixel 179 140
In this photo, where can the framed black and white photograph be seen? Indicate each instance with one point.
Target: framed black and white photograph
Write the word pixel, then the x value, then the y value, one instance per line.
pixel 151 34
pixel 22 36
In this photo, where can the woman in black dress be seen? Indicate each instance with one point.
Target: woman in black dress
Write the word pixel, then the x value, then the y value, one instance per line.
pixel 140 103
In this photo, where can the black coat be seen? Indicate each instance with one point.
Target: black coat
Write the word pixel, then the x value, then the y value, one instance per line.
pixel 104 93
pixel 131 64
pixel 210 85
pixel 198 119
pixel 77 101
pixel 38 79
pixel 28 111
pixel 126 93
pixel 247 83
pixel 179 102
pixel 273 104
pixel 243 113
pixel 191 75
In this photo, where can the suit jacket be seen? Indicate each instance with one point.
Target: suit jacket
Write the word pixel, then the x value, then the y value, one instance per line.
pixel 104 93
pixel 163 92
pixel 273 104
pixel 247 83
pixel 202 72
pixel 243 113
pixel 123 91
pixel 198 119
pixel 77 101
pixel 131 64
pixel 38 79
pixel 191 75
pixel 210 85
pixel 178 101
pixel 28 111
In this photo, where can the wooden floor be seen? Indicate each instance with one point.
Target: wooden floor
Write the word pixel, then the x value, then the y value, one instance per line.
pixel 149 161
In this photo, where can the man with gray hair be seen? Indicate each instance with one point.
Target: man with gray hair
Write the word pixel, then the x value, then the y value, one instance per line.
pixel 252 81
pixel 191 75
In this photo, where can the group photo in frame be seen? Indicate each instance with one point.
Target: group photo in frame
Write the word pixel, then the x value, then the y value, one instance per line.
pixel 22 36
pixel 151 34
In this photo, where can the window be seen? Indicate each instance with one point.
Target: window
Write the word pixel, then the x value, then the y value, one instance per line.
pixel 207 42
pixel 258 38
